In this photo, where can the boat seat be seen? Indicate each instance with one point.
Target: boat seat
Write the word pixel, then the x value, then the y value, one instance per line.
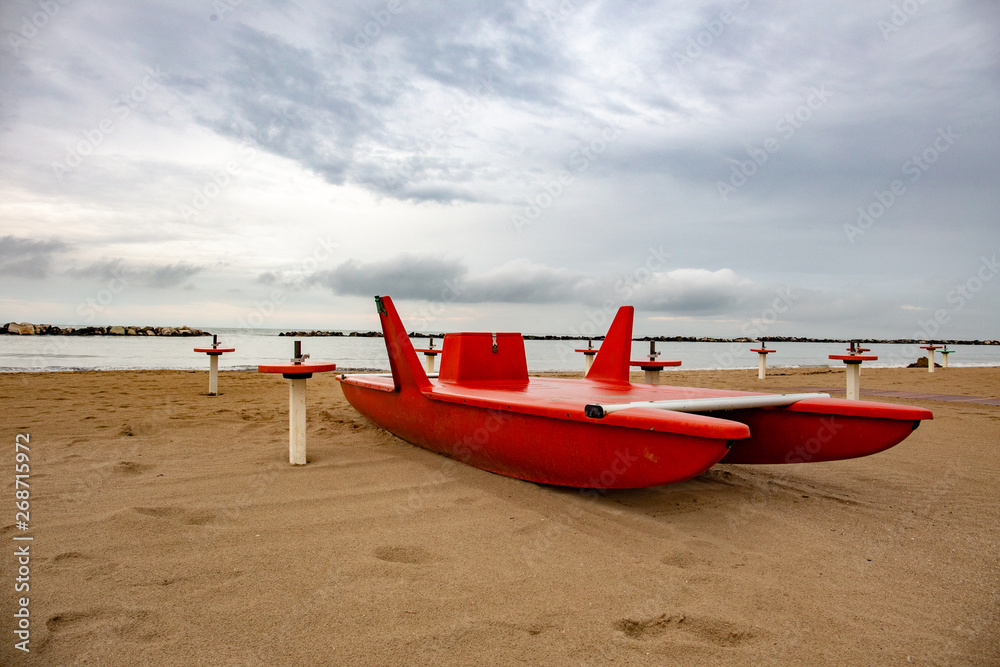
pixel 476 357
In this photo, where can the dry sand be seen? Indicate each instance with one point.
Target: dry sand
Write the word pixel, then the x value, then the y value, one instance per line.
pixel 170 530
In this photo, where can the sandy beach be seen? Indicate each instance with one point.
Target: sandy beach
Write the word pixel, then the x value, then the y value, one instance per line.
pixel 169 529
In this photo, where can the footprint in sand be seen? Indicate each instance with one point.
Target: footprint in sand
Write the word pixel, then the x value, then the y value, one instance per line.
pixel 130 468
pixel 81 565
pixel 66 620
pixel 409 555
pixel 177 514
pixel 680 559
pixel 709 631
pixel 69 556
pixel 131 623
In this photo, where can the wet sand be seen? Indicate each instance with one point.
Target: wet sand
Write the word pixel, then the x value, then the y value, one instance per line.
pixel 169 529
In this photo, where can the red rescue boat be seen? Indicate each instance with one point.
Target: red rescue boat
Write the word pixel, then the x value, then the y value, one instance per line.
pixel 601 431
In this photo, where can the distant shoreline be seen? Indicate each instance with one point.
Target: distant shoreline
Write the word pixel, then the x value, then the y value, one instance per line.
pixel 670 339
pixel 28 329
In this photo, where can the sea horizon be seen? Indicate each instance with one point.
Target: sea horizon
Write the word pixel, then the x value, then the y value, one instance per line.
pixel 424 333
pixel 55 353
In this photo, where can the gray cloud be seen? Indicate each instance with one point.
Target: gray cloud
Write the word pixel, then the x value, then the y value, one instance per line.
pixel 693 292
pixel 156 276
pixel 167 275
pixel 520 281
pixel 431 278
pixel 28 258
pixel 406 277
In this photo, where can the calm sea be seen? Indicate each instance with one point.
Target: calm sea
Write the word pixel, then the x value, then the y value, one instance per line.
pixel 70 353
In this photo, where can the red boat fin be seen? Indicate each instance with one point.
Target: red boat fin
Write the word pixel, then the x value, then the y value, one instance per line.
pixel 407 370
pixel 611 363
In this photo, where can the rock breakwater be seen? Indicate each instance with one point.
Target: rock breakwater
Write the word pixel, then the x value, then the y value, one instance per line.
pixel 29 329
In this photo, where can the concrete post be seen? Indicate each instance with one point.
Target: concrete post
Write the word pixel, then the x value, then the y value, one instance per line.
pixel 854 381
pixel 213 374
pixel 297 421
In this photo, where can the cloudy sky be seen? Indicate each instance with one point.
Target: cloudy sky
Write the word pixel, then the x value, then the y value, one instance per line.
pixel 813 169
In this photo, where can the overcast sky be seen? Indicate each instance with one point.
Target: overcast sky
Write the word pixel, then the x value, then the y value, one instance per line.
pixel 729 168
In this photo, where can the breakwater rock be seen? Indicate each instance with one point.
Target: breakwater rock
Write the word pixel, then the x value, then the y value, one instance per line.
pixel 352 334
pixel 306 334
pixel 28 329
pixel 922 363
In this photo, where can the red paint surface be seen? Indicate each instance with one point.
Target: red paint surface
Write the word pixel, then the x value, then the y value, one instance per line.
pixel 296 368
pixel 654 365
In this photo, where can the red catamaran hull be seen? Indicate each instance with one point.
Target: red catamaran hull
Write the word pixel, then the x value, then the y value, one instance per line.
pixel 484 411
pixel 538 449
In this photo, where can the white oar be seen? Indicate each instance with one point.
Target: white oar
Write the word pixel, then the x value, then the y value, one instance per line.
pixel 704 404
